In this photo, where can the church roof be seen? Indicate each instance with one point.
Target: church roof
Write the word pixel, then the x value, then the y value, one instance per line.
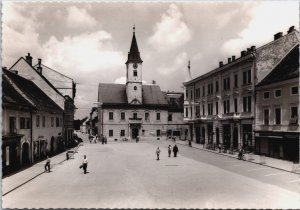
pixel 115 94
pixel 288 68
pixel 134 54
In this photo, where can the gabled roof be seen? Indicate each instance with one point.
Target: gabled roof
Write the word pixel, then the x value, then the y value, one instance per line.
pixel 287 69
pixel 40 99
pixel 10 96
pixel 134 54
pixel 115 94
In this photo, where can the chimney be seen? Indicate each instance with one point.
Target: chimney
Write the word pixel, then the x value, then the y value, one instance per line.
pixel 291 29
pixel 220 63
pixel 243 53
pixel 248 50
pixel 28 59
pixel 39 68
pixel 278 35
pixel 233 58
pixel 229 60
pixel 253 48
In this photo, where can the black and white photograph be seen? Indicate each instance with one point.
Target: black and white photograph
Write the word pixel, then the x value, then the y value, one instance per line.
pixel 150 104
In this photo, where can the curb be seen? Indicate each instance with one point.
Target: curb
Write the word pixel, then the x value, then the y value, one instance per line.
pixel 20 185
pixel 237 158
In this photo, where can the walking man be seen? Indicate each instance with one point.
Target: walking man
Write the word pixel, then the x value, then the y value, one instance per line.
pixel 175 150
pixel 169 150
pixel 84 164
pixel 47 165
pixel 157 152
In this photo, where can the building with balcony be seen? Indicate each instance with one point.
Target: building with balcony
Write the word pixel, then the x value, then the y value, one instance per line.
pixel 32 122
pixel 276 123
pixel 219 106
pixel 134 109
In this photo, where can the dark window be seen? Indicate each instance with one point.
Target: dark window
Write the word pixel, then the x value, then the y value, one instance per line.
pixel 52 121
pixel 186 112
pixel 135 88
pixel 249 103
pixel 157 116
pixel 235 80
pixel 210 109
pixel 12 125
pixel 235 105
pixel 294 90
pixel 186 94
pixel 266 95
pixel 249 76
pixel 191 95
pixel 22 123
pixel 111 115
pixel 217 86
pixel 277 116
pixel 157 132
pixel 294 111
pixel 134 115
pixel 203 109
pixel 244 78
pixel 277 93
pixel 217 108
pixel 44 121
pixel 37 121
pixel 266 117
pixel 170 117
pixel 244 104
pixel 122 133
pixel 28 123
pixel 111 132
pixel 146 116
pixel 226 106
pixel 57 122
pixel 203 91
pixel 122 115
pixel 226 83
pixel 135 73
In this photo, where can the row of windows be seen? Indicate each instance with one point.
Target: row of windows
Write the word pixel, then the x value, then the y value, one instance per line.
pixel 43 121
pixel 277 115
pixel 134 116
pixel 226 85
pixel 122 133
pixel 277 93
pixel 226 107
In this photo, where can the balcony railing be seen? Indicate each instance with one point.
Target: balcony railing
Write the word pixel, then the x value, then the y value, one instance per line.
pixel 135 120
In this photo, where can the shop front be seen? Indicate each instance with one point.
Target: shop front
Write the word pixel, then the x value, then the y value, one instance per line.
pixel 280 145
pixel 11 149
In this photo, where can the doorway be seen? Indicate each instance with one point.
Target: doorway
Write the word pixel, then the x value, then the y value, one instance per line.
pixel 25 154
pixel 135 132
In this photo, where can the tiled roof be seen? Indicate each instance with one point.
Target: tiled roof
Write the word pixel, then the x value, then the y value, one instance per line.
pixel 115 94
pixel 32 91
pixel 288 68
pixel 11 96
pixel 134 54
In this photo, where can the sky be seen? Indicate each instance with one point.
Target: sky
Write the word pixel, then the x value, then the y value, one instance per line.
pixel 89 42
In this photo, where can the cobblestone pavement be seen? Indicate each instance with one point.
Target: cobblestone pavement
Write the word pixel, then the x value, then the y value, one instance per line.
pixel 127 175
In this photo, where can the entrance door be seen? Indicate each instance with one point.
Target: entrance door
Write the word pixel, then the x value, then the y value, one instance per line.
pixel 52 146
pixel 25 154
pixel 198 135
pixel 135 132
pixel 235 137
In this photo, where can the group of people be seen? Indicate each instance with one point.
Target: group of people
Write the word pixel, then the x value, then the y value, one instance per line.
pixel 175 151
pixel 94 139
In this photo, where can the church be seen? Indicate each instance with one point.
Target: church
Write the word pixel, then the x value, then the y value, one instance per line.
pixel 135 109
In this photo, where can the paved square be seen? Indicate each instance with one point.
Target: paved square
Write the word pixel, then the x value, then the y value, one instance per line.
pixel 127 175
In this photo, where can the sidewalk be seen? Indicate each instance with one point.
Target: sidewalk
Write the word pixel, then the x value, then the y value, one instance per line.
pixel 14 181
pixel 257 159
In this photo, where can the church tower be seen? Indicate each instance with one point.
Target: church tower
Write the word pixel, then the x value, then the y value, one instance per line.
pixel 134 73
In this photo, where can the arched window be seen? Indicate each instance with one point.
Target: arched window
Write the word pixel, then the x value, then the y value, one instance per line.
pixel 135 88
pixel 135 73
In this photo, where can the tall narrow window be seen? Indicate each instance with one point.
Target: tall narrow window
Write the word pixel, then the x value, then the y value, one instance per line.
pixel 122 133
pixel 157 116
pixel 235 80
pixel 249 76
pixel 294 90
pixel 249 104
pixel 57 122
pixel 217 108
pixel 134 115
pixel 186 112
pixel 135 73
pixel 111 115
pixel 277 116
pixel 111 133
pixel 203 109
pixel 37 121
pixel 266 116
pixel 146 116
pixel 122 115
pixel 22 122
pixel 44 121
pixel 235 105
pixel 170 117
pixel 244 78
pixel 12 125
pixel 217 86
pixel 203 91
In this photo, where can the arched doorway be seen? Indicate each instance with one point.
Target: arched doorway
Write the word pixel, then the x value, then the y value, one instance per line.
pixel 134 133
pixel 25 154
pixel 52 151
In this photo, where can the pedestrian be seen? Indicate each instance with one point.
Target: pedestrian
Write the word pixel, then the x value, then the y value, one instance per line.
pixel 137 139
pixel 47 165
pixel 175 150
pixel 220 148
pixel 67 155
pixel 90 137
pixel 169 150
pixel 157 153
pixel 105 140
pixel 84 164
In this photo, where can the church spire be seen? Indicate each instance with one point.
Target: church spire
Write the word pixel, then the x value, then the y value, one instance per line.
pixel 134 54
